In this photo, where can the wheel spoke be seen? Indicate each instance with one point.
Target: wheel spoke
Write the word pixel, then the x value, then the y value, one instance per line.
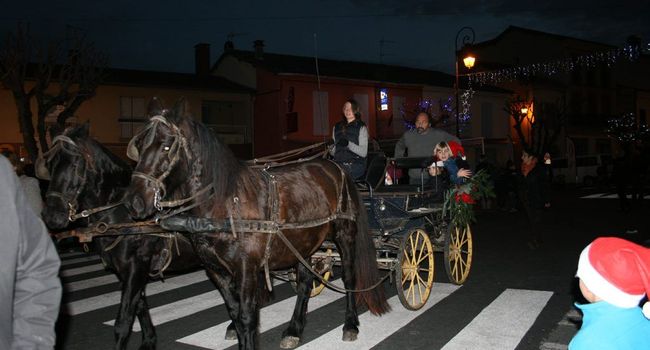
pixel 412 288
pixel 420 279
pixel 422 248
pixel 423 258
pixel 412 249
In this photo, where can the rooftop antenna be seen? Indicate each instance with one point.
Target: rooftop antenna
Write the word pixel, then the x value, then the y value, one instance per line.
pixel 320 102
pixel 381 49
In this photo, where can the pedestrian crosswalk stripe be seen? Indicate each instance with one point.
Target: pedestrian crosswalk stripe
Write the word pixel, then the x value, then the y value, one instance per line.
pixel 93 258
pixel 608 196
pixel 271 316
pixel 81 270
pixel 597 195
pixel 71 255
pixel 89 283
pixel 503 323
pixel 553 346
pixel 185 307
pixel 100 301
pixel 373 329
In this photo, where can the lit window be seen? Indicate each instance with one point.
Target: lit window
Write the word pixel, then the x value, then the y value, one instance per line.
pixel 383 98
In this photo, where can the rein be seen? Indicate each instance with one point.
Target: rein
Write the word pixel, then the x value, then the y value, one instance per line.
pixel 278 158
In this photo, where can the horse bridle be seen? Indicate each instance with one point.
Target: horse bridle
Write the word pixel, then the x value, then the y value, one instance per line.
pixel 71 201
pixel 178 145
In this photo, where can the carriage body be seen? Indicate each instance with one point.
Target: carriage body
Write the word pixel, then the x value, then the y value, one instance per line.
pixel 408 225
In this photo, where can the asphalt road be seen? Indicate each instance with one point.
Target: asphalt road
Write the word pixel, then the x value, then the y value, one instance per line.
pixel 515 298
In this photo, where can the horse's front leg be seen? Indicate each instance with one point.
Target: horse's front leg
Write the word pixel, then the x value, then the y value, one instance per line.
pixel 248 309
pixel 304 284
pixel 226 286
pixel 148 329
pixel 345 245
pixel 134 278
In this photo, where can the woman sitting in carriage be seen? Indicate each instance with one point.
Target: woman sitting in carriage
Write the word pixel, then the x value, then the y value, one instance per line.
pixel 449 167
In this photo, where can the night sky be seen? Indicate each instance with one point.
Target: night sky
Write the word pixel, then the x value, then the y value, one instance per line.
pixel 160 35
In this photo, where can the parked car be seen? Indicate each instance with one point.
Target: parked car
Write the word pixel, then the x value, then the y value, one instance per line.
pixel 590 170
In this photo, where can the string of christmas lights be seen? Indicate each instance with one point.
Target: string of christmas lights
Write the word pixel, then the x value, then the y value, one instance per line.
pixel 625 129
pixel 466 103
pixel 630 52
pixel 438 110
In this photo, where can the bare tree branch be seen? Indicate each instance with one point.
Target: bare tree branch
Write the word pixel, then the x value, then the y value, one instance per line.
pixel 59 88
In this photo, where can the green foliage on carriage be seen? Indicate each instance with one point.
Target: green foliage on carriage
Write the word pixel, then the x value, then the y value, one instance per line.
pixel 459 199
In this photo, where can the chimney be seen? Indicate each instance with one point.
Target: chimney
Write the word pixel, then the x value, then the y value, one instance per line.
pixel 228 46
pixel 202 59
pixel 259 49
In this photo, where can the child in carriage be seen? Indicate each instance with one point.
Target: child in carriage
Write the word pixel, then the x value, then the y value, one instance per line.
pixel 449 166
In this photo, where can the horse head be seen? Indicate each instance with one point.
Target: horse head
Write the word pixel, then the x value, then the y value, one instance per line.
pixel 163 157
pixel 66 165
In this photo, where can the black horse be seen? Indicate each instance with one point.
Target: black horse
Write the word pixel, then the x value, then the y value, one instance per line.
pixel 85 175
pixel 310 201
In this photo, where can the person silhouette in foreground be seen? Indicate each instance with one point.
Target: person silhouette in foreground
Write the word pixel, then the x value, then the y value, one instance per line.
pixel 30 289
pixel 614 276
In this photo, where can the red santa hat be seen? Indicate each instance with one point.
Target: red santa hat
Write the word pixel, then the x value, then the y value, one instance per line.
pixel 617 271
pixel 456 149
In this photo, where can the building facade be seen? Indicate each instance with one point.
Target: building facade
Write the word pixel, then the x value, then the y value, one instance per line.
pixel 295 105
pixel 586 96
pixel 118 110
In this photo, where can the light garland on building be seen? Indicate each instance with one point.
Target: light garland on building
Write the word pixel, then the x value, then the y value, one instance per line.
pixel 426 105
pixel 609 58
pixel 625 129
pixel 466 103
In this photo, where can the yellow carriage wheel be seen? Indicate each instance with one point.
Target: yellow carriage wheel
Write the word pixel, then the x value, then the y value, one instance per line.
pixel 318 286
pixel 323 267
pixel 415 269
pixel 458 253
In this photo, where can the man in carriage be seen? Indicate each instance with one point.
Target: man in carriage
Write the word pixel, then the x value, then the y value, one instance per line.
pixel 420 142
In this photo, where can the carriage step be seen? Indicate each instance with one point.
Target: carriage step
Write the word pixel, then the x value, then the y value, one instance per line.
pixel 422 210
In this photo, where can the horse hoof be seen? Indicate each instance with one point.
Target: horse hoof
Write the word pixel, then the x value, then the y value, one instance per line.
pixel 231 334
pixel 350 335
pixel 289 342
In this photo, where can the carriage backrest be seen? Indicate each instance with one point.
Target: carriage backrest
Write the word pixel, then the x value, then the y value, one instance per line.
pixel 375 170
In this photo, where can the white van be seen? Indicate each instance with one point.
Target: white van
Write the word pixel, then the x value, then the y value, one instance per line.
pixel 589 169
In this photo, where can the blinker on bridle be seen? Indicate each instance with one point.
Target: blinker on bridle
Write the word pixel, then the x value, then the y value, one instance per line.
pixel 179 144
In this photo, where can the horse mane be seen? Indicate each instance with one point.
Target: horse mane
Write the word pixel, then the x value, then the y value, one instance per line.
pixel 106 163
pixel 215 163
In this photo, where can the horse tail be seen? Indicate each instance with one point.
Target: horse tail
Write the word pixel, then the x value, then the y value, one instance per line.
pixel 365 258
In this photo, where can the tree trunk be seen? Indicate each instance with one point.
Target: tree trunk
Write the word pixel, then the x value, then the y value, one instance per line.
pixel 40 129
pixel 26 124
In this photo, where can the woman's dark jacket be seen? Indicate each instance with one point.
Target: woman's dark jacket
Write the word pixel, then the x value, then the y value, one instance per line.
pixel 535 188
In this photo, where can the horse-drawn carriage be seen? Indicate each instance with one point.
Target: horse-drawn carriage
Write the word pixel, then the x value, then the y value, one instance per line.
pixel 243 220
pixel 408 225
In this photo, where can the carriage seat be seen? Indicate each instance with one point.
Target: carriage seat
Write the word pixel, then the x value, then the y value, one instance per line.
pixel 375 170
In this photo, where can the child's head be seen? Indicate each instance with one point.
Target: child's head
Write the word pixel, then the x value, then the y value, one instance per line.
pixel 442 151
pixel 616 271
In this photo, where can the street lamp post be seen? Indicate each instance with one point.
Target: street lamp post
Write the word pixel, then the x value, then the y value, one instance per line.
pixel 467 39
